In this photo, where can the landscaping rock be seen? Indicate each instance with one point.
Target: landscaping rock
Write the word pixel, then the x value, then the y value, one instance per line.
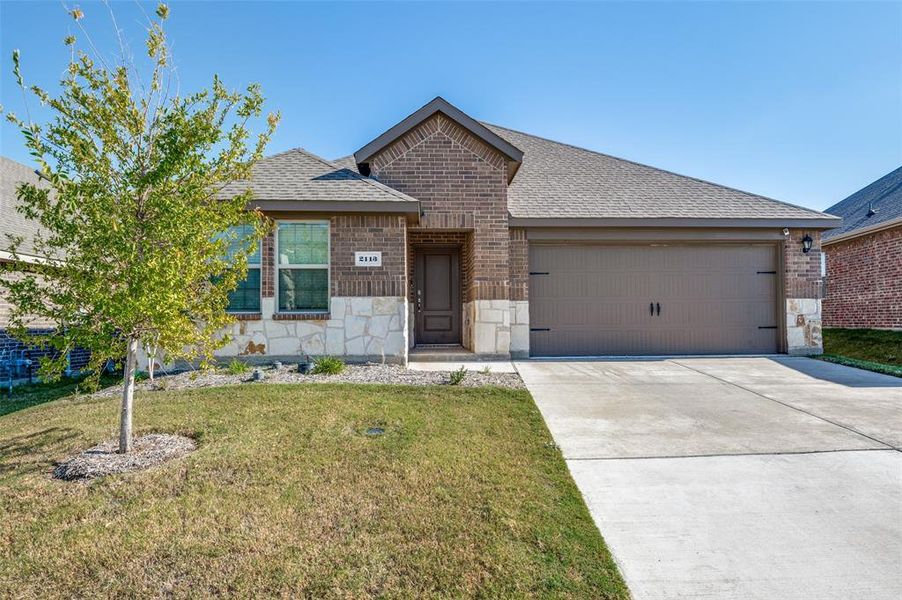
pixel 353 373
pixel 101 460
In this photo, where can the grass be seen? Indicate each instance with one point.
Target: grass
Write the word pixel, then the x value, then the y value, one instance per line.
pixel 872 349
pixel 456 376
pixel 464 495
pixel 236 367
pixel 328 365
pixel 32 394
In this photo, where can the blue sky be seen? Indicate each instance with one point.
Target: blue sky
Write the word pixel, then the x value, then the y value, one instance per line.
pixel 797 101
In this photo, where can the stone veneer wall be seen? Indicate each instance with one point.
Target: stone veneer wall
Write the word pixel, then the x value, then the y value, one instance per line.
pixel 489 324
pixel 803 290
pixel 359 329
pixel 864 281
pixel 519 329
pixel 803 326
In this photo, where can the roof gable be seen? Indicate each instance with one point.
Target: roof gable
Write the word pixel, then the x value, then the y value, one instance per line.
pixel 873 205
pixel 513 154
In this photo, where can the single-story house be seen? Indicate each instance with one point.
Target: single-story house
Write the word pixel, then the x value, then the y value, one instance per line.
pixel 864 258
pixel 446 231
pixel 19 362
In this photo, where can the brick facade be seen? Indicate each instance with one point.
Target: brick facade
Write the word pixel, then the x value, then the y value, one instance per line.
pixel 802 272
pixel 461 184
pixel 864 281
pixel 519 264
pixel 10 346
pixel 348 234
pixel 13 272
pixel 377 233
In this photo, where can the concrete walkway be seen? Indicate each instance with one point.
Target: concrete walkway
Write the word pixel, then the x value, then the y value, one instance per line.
pixel 493 366
pixel 747 478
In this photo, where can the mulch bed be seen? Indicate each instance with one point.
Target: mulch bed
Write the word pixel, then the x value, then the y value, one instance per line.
pixel 102 460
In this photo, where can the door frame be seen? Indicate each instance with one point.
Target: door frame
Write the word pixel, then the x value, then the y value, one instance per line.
pixel 456 297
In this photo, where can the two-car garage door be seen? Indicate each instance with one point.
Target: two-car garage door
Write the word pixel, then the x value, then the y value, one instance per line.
pixel 652 299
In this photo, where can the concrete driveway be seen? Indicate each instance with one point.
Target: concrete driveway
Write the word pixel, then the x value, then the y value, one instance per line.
pixel 746 478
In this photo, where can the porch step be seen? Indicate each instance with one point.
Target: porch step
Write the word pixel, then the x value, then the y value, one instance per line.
pixel 443 353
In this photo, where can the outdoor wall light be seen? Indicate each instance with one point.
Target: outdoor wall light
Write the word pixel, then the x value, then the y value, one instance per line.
pixel 806 243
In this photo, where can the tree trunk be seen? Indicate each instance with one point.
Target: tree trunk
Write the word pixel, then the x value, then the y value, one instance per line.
pixel 128 393
pixel 151 352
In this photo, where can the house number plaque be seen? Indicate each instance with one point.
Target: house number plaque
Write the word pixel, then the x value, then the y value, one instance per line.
pixel 368 259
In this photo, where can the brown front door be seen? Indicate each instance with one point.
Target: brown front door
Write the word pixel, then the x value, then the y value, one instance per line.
pixel 437 296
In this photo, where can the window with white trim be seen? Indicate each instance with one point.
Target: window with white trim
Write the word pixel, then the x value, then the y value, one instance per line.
pixel 246 297
pixel 302 266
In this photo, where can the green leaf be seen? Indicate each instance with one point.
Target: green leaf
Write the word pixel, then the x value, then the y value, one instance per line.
pixel 17 69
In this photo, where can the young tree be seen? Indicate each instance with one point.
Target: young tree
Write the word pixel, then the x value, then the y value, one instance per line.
pixel 132 215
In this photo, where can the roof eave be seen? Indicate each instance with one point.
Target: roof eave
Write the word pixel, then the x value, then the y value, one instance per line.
pixel 19 257
pixel 345 206
pixel 849 235
pixel 812 223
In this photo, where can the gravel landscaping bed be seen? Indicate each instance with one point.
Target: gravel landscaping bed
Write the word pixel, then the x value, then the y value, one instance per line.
pixel 101 460
pixel 366 373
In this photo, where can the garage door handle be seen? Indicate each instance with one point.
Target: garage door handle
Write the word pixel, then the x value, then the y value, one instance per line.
pixel 651 308
pixel 658 306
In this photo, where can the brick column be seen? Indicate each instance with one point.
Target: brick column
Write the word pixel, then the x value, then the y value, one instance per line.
pixel 803 290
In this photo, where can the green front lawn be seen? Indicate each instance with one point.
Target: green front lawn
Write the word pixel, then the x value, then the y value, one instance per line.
pixel 464 495
pixel 32 394
pixel 873 349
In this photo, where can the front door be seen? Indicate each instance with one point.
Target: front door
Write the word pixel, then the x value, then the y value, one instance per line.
pixel 437 296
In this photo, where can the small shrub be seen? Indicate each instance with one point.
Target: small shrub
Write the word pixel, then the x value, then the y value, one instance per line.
pixel 328 365
pixel 456 376
pixel 236 367
pixel 486 370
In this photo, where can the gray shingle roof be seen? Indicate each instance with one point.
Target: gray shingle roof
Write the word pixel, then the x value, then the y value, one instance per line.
pixel 558 180
pixel 883 199
pixel 11 221
pixel 346 162
pixel 302 177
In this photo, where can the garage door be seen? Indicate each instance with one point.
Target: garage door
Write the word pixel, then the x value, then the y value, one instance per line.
pixel 652 299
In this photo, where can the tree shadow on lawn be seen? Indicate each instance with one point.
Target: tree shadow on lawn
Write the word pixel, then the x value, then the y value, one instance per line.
pixel 840 373
pixel 33 394
pixel 20 453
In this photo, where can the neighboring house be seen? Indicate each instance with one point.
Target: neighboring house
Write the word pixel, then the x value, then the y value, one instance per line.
pixel 13 353
pixel 864 258
pixel 447 231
